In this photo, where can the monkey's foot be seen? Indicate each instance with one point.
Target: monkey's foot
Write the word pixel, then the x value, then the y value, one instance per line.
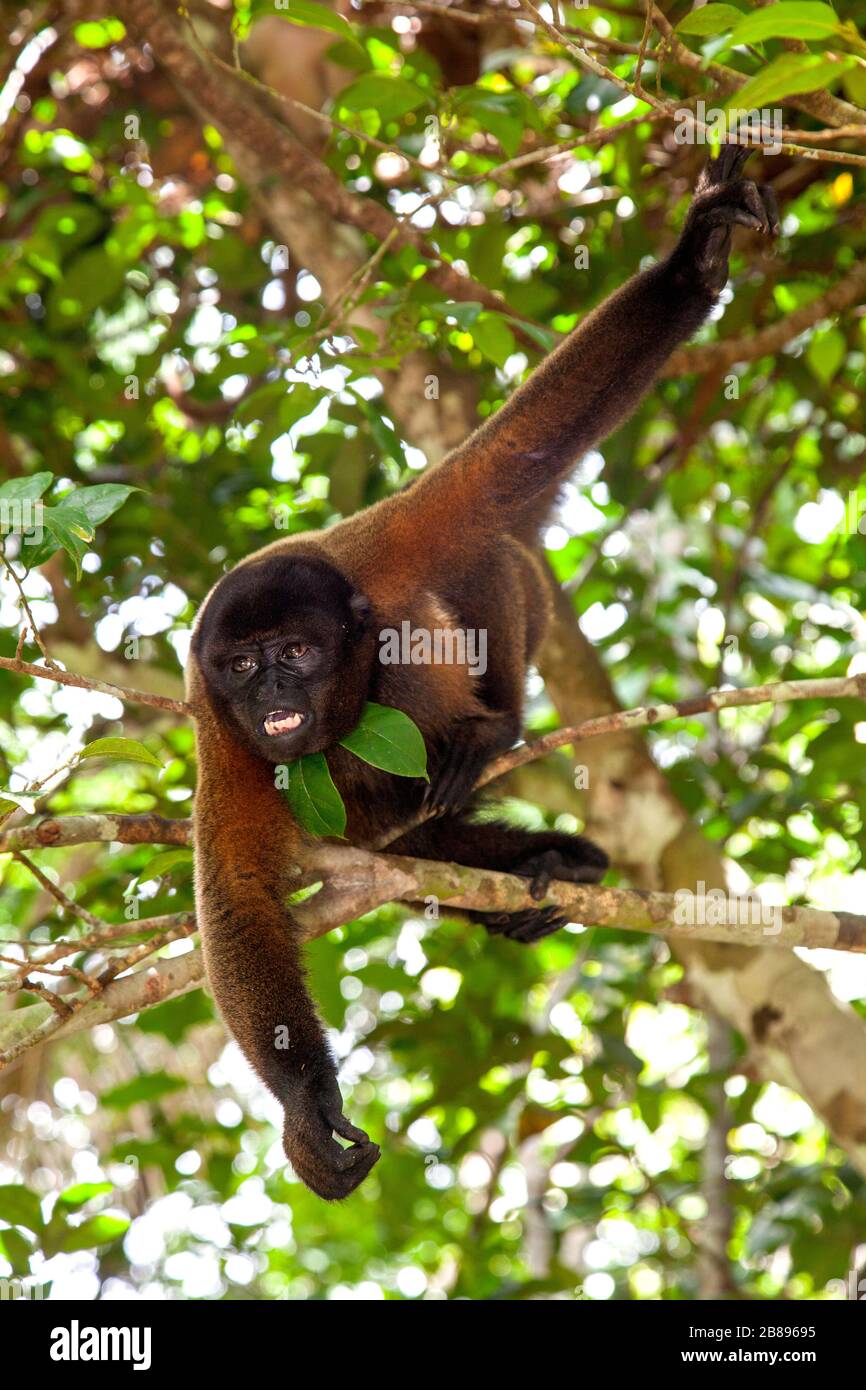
pixel 572 859
pixel 532 924
pixel 314 1113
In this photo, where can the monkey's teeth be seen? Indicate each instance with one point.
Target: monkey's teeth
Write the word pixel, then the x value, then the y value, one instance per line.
pixel 282 722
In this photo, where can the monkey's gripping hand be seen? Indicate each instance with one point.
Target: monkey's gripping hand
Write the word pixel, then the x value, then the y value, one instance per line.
pixel 253 956
pixel 314 1113
pixel 722 200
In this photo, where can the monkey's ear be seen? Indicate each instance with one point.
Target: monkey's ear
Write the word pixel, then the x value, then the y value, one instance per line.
pixel 360 608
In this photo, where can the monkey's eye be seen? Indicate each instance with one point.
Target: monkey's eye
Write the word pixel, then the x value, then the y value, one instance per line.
pixel 293 651
pixel 243 664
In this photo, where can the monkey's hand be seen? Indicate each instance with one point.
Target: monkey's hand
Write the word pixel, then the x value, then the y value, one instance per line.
pixel 722 199
pixel 314 1113
pixel 568 857
pixel 471 746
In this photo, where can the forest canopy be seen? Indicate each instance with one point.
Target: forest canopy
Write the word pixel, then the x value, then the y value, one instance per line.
pixel 260 265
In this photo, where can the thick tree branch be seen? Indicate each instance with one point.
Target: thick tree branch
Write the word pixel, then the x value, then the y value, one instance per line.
pixel 358 882
pixel 28 1027
pixel 784 1009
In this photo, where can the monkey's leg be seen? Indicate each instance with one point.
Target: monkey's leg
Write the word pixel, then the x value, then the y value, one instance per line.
pixel 537 855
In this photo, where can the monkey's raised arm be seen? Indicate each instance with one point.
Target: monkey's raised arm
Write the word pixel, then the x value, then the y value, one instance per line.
pixel 597 376
pixel 252 953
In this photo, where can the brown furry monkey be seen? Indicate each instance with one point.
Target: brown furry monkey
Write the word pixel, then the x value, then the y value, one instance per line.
pixel 285 655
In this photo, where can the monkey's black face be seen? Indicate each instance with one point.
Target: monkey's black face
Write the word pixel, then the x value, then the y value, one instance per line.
pixel 284 652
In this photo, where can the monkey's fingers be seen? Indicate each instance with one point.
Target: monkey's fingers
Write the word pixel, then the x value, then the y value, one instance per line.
pixel 528 926
pixel 771 208
pixel 452 784
pixel 580 862
pixel 727 166
pixel 329 1170
pixel 734 202
pixel 346 1130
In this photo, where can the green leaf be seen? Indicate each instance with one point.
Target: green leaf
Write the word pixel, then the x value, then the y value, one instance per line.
pixel 712 19
pixel 464 314
pixel 791 19
pixel 500 113
pixel 494 338
pixel 128 749
pixel 172 1019
pixel 98 502
pixel 387 738
pixel 82 1192
pixel 545 337
pixel 312 16
pixel 786 75
pixel 389 97
pixel 316 804
pixel 144 1088
pixel 72 522
pixel 17 1250
pixel 98 1230
pixel 297 403
pixel 826 353
pixel 161 865
pixel 69 529
pixel 854 84
pixel 12 800
pixel 26 489
pixel 20 1207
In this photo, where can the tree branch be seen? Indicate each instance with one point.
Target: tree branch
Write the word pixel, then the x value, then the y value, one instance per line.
pixel 230 103
pixel 25 1028
pixel 833 687
pixel 58 832
pixel 143 829
pixel 821 105
pixel 767 341
pixel 358 882
pixel 120 692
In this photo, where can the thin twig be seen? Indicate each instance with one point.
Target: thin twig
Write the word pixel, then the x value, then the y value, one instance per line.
pixel 57 893
pixel 22 598
pixel 121 692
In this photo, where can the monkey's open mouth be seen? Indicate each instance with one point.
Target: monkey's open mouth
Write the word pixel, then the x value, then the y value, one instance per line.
pixel 282 721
